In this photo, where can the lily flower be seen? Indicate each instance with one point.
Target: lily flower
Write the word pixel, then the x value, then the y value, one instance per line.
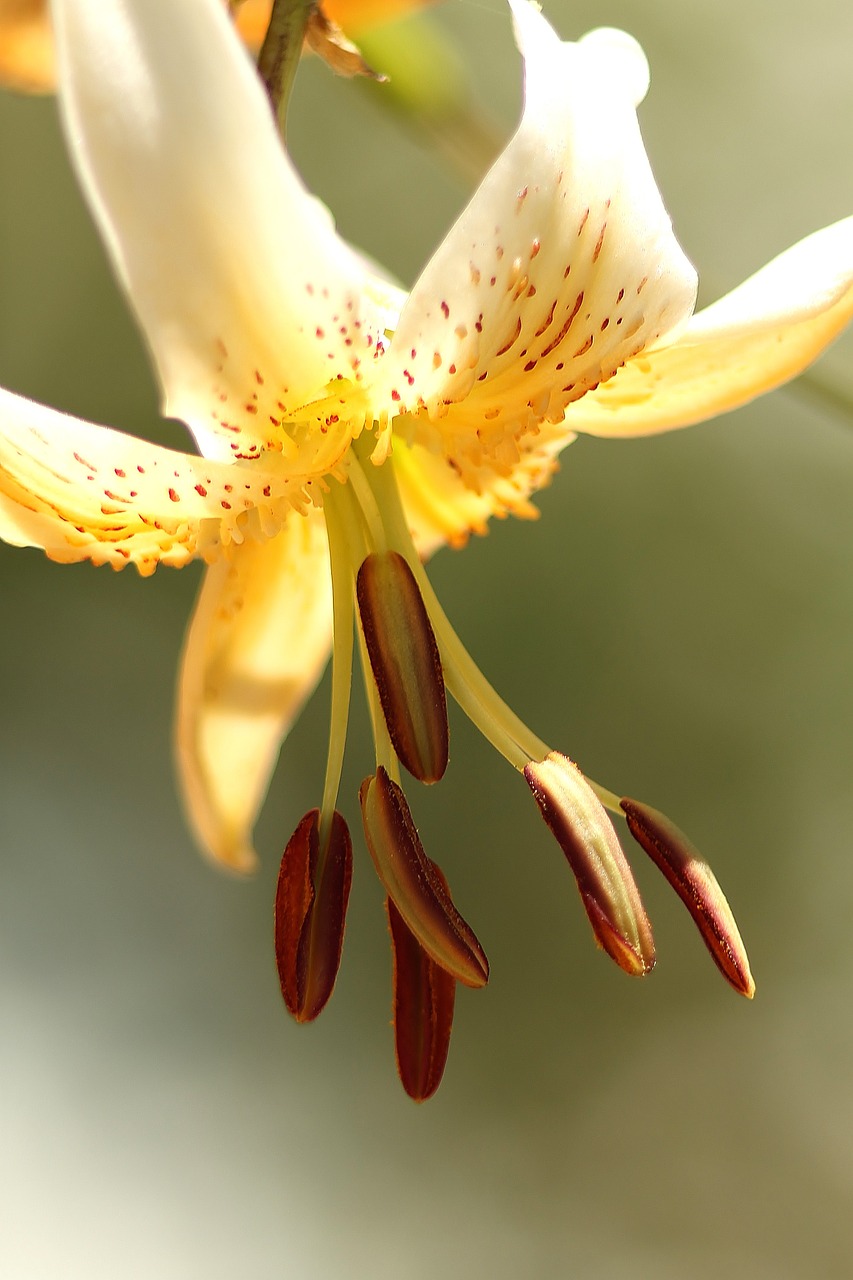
pixel 346 429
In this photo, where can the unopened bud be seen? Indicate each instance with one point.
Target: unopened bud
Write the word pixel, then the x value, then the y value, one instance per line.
pixel 411 881
pixel 697 887
pixel 586 835
pixel 310 913
pixel 405 661
pixel 424 995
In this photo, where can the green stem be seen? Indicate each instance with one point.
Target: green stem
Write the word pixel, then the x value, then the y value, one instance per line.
pixel 281 51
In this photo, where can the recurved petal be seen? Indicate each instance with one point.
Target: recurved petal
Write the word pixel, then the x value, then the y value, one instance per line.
pixel 562 267
pixel 249 300
pixel 255 649
pixel 758 336
pixel 85 492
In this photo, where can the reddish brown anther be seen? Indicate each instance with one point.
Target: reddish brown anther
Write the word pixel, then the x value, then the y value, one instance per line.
pixel 310 912
pixel 586 835
pixel 424 995
pixel 697 887
pixel 405 661
pixel 410 879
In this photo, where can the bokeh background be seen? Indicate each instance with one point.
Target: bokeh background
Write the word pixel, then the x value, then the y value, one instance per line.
pixel 680 621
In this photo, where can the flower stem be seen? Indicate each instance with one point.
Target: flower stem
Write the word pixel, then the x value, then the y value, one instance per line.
pixel 281 51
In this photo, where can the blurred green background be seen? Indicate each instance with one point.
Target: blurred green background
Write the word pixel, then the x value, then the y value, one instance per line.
pixel 680 621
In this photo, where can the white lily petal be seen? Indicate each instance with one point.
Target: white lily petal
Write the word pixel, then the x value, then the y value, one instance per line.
pixel 249 300
pixel 562 267
pixel 255 649
pixel 86 492
pixel 758 336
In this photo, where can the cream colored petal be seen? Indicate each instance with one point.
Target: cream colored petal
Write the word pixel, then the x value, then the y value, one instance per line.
pixel 758 336
pixel 563 266
pixel 257 645
pixel 84 492
pixel 249 300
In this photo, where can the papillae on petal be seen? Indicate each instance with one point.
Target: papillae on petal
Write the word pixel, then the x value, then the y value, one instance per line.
pixel 563 266
pixel 250 302
pixel 755 338
pixel 86 492
pixel 256 647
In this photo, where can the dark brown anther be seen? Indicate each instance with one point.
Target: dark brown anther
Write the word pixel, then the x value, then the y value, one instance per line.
pixel 586 835
pixel 697 887
pixel 410 879
pixel 405 661
pixel 310 913
pixel 424 995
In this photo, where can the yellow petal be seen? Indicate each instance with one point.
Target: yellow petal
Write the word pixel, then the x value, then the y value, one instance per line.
pixel 351 15
pixel 257 645
pixel 442 508
pixel 27 59
pixel 26 46
pixel 84 492
pixel 563 265
pixel 758 336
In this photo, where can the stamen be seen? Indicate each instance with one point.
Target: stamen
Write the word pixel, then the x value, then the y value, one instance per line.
pixel 342 612
pixel 697 887
pixel 405 663
pixel 424 996
pixel 586 836
pixel 409 879
pixel 310 913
